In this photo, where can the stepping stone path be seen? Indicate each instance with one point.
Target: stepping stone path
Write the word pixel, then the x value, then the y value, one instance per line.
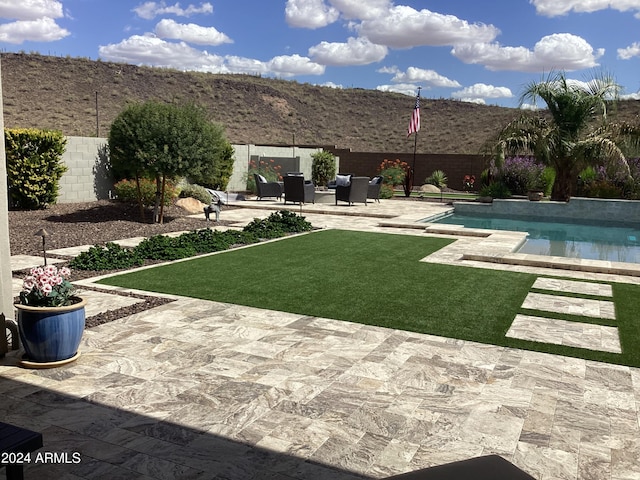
pixel 563 332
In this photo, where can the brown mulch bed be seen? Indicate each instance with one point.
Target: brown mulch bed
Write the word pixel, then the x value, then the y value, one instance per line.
pixel 95 223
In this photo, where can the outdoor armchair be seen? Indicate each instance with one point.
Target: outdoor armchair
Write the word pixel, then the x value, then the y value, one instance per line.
pixel 298 190
pixel 266 189
pixel 373 192
pixel 356 191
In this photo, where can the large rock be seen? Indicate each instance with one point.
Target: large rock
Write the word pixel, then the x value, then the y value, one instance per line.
pixel 428 188
pixel 190 204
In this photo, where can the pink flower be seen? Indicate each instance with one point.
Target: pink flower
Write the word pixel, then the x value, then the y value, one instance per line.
pixel 50 270
pixel 64 271
pixel 36 271
pixel 46 289
pixel 28 284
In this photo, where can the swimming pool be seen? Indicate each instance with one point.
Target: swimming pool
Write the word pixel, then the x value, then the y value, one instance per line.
pixel 597 241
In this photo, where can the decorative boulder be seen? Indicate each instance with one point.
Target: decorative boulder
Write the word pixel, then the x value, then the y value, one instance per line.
pixel 190 204
pixel 428 188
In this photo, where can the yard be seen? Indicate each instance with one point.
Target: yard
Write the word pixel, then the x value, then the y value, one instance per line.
pixel 377 279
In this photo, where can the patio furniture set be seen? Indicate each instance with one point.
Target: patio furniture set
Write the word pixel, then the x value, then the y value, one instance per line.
pixel 346 188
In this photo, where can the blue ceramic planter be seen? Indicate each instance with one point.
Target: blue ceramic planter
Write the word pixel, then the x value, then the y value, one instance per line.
pixel 51 334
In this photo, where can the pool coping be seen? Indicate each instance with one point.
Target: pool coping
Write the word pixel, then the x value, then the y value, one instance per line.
pixel 484 247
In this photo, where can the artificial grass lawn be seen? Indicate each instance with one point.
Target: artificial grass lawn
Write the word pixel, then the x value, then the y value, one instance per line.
pixel 375 279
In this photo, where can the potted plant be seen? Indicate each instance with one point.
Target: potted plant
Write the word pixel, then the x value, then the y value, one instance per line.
pixel 50 317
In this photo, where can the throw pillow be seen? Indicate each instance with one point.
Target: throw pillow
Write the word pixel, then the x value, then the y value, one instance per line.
pixel 343 180
pixel 262 179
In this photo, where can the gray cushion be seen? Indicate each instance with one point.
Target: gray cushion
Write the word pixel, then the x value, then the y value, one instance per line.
pixel 343 180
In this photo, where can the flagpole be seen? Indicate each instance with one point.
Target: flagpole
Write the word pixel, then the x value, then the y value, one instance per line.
pixel 408 187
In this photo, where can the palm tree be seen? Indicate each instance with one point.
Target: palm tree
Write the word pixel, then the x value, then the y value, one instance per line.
pixel 565 139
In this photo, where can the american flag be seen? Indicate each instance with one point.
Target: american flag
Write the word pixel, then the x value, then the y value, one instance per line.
pixel 414 123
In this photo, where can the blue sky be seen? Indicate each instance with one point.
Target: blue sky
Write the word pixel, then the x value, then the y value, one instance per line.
pixel 472 50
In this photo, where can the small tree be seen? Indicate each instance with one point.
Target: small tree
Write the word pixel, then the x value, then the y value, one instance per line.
pixel 323 167
pixel 162 141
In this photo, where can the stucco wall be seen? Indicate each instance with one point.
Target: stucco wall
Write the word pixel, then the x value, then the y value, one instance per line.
pixel 87 178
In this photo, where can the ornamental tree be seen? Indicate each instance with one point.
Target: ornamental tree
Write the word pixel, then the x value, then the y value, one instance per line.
pixel 566 138
pixel 162 141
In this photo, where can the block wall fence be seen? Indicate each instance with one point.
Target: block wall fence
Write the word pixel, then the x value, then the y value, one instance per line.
pixel 87 178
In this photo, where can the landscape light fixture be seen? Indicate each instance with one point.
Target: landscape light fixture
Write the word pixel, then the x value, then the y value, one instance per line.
pixel 44 234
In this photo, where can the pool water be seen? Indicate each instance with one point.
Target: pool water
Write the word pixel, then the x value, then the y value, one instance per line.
pixel 615 242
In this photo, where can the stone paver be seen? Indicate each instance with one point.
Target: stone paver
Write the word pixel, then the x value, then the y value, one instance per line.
pixel 571 286
pixel 562 332
pixel 569 305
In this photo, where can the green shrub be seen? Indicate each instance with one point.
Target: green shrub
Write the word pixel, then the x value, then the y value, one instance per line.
pixel 437 178
pixel 323 167
pixel 495 190
pixel 109 257
pixel 34 166
pixel 162 247
pixel 127 191
pixel 196 191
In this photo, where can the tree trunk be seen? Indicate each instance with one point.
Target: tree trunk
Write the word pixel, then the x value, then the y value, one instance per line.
pixel 156 206
pixel 562 187
pixel 140 205
pixel 164 178
pixel 408 182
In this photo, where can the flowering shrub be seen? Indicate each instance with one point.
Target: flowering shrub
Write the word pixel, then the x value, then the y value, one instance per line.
pixel 469 182
pixel 47 287
pixel 611 181
pixel 268 169
pixel 394 173
pixel 520 174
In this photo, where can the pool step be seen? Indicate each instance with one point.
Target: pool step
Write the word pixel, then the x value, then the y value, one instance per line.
pixel 570 333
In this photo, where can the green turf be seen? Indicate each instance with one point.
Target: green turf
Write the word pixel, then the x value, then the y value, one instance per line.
pixel 376 279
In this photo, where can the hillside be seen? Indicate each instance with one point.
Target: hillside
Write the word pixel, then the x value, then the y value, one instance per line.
pixel 62 93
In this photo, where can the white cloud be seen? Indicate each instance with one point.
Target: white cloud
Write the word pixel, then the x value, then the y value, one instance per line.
pixel 41 30
pixel 190 33
pixel 479 101
pixel 529 106
pixel 558 51
pixel 481 91
pixel 149 10
pixel 153 51
pixel 419 75
pixel 30 9
pixel 309 13
pixel 357 51
pixel 630 96
pixel 331 85
pixel 357 9
pixel 291 65
pixel 404 27
pixel 404 88
pixel 554 8
pixel 631 51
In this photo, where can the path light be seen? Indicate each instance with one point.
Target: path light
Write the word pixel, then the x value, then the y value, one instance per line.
pixel 44 234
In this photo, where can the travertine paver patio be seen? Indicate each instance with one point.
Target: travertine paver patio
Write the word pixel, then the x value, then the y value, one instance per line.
pixel 197 389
